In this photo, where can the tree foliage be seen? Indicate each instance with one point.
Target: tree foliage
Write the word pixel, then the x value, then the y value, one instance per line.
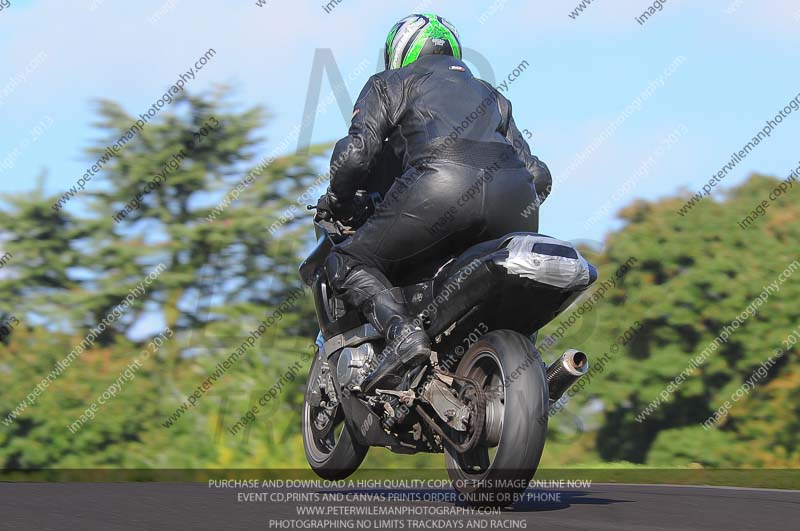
pixel 695 275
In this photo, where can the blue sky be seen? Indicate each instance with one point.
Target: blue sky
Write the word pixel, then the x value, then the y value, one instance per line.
pixel 738 69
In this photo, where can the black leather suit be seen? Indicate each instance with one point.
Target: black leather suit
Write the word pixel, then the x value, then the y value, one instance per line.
pixel 466 173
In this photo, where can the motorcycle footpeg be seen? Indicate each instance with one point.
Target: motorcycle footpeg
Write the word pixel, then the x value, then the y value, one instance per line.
pixel 407 397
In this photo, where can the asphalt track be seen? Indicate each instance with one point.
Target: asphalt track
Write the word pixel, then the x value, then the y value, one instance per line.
pixel 178 506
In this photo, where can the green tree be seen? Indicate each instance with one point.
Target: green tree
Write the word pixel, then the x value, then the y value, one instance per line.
pixel 222 277
pixel 695 274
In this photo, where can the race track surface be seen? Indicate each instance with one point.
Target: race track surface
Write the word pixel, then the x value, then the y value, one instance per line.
pixel 178 506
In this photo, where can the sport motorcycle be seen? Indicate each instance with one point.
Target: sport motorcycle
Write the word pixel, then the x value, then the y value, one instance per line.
pixel 484 395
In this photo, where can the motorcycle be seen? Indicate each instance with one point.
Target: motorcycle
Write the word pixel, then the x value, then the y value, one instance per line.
pixel 483 398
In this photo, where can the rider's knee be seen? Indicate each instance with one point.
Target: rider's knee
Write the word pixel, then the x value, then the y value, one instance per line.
pixel 337 267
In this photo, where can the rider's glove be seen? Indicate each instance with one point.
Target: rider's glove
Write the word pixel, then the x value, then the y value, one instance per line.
pixel 330 206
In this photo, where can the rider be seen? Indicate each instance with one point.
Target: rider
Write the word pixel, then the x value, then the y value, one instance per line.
pixel 466 175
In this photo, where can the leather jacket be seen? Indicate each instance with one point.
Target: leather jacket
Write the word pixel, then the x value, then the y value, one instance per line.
pixel 401 113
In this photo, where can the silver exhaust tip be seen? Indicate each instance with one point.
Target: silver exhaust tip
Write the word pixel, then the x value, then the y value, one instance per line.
pixel 565 371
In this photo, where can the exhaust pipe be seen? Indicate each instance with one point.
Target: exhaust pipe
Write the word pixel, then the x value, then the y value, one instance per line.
pixel 565 371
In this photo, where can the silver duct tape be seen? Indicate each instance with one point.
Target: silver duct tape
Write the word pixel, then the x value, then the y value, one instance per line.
pixel 558 271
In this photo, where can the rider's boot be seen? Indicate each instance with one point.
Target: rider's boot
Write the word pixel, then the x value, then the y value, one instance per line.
pixel 407 344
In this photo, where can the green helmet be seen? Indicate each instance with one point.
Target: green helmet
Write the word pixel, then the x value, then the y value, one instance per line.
pixel 418 35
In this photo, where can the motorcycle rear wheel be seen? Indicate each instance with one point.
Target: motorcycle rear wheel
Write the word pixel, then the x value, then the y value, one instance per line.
pixel 496 471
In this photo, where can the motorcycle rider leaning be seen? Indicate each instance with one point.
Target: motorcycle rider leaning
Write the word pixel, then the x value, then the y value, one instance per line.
pixel 465 174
